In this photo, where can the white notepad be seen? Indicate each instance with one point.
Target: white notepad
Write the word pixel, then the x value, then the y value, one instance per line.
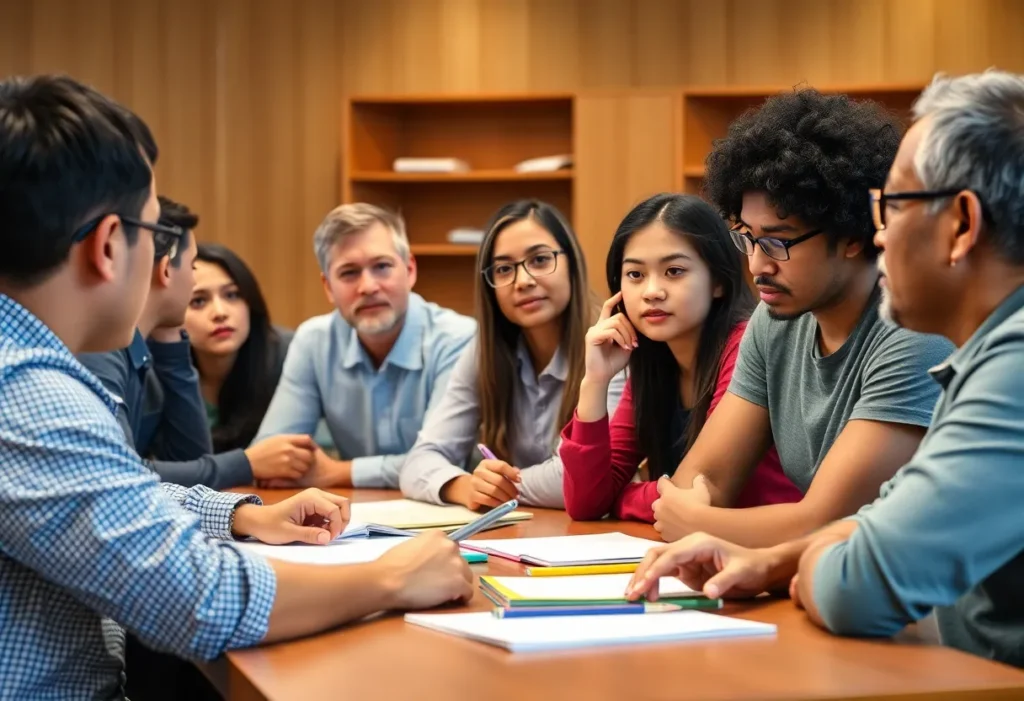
pixel 416 515
pixel 560 551
pixel 337 552
pixel 553 632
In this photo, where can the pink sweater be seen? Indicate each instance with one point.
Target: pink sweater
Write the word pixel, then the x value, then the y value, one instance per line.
pixel 599 460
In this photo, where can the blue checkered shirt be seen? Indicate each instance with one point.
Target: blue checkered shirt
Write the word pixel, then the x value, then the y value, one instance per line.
pixel 90 537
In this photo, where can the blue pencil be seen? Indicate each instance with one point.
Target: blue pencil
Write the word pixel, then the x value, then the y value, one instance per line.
pixel 617 610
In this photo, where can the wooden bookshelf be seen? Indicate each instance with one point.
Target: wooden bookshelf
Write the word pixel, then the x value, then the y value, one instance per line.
pixel 706 114
pixel 491 133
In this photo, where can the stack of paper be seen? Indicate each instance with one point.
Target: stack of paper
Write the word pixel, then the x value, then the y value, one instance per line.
pixel 552 633
pixel 562 551
pixel 430 165
pixel 409 515
pixel 582 590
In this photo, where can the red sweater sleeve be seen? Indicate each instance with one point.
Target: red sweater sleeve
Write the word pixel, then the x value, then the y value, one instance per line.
pixel 768 484
pixel 598 461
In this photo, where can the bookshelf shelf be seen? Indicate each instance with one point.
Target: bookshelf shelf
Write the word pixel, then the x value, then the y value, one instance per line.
pixel 473 176
pixel 443 249
pixel 491 133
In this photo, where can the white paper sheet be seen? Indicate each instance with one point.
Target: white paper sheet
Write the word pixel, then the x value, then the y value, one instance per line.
pixel 599 548
pixel 551 633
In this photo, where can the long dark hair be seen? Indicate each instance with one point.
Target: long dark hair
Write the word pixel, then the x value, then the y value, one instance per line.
pixel 653 370
pixel 249 386
pixel 497 338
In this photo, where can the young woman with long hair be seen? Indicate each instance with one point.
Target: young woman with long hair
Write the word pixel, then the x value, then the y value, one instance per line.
pixel 679 306
pixel 237 351
pixel 516 385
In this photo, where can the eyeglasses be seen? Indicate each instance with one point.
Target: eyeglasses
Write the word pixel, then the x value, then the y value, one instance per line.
pixel 166 239
pixel 878 198
pixel 777 249
pixel 503 274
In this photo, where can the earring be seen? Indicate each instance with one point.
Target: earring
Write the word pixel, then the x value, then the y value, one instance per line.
pixel 952 262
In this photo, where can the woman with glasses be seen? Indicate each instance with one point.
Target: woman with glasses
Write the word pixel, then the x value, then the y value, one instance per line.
pixel 678 310
pixel 514 388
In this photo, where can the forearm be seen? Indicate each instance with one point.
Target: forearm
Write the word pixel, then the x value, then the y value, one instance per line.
pixel 428 476
pixel 756 527
pixel 313 599
pixel 819 542
pixel 593 401
pixel 541 485
pixel 376 471
pixel 221 471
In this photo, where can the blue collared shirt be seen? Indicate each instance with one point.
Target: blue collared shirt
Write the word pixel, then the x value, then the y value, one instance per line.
pixel 89 536
pixel 373 414
pixel 947 531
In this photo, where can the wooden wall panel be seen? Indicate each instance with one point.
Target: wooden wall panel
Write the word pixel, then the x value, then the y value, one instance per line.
pixel 610 181
pixel 244 96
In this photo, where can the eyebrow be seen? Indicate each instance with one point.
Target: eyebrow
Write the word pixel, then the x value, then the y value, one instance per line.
pixel 532 249
pixel 664 259
pixel 772 228
pixel 375 259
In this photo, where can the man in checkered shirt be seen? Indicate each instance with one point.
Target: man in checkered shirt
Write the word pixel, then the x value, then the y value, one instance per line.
pixel 90 541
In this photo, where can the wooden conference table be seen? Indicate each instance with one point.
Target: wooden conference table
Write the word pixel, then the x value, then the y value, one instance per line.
pixel 384 658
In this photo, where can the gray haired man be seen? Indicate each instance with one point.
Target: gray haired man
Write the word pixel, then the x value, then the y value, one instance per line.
pixel 946 532
pixel 372 369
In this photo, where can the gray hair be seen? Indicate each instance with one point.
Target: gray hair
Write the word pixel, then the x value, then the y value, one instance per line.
pixel 976 142
pixel 350 219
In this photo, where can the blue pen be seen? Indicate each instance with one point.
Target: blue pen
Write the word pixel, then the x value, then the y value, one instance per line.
pixel 619 610
pixel 492 516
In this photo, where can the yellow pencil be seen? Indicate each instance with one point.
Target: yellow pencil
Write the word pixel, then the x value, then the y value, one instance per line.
pixel 581 569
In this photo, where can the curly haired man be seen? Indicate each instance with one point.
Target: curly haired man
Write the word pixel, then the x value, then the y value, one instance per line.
pixel 845 395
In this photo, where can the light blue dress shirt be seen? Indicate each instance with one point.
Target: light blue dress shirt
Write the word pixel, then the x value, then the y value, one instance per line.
pixel 373 414
pixel 89 536
pixel 447 442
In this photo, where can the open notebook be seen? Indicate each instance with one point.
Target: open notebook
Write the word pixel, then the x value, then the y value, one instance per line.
pixel 552 633
pixel 405 514
pixel 574 590
pixel 561 551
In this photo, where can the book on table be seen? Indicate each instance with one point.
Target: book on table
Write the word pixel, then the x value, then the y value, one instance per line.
pixel 578 590
pixel 563 551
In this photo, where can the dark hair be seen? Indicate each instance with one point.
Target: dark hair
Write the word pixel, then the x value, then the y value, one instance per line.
pixel 814 156
pixel 249 386
pixel 497 336
pixel 653 370
pixel 176 214
pixel 67 155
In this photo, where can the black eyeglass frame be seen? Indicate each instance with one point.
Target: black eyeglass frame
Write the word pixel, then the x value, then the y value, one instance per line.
pixel 168 230
pixel 739 237
pixel 488 272
pixel 877 197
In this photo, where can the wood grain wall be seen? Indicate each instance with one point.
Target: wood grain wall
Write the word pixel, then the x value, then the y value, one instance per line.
pixel 244 95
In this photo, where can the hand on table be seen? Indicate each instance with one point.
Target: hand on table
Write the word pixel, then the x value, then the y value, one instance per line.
pixel 311 516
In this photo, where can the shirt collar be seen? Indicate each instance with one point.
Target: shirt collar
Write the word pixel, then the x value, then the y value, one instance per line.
pixel 27 331
pixel 945 372
pixel 138 352
pixel 558 366
pixel 407 351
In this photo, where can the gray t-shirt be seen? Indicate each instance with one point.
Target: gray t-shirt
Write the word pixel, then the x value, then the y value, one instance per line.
pixel 879 374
